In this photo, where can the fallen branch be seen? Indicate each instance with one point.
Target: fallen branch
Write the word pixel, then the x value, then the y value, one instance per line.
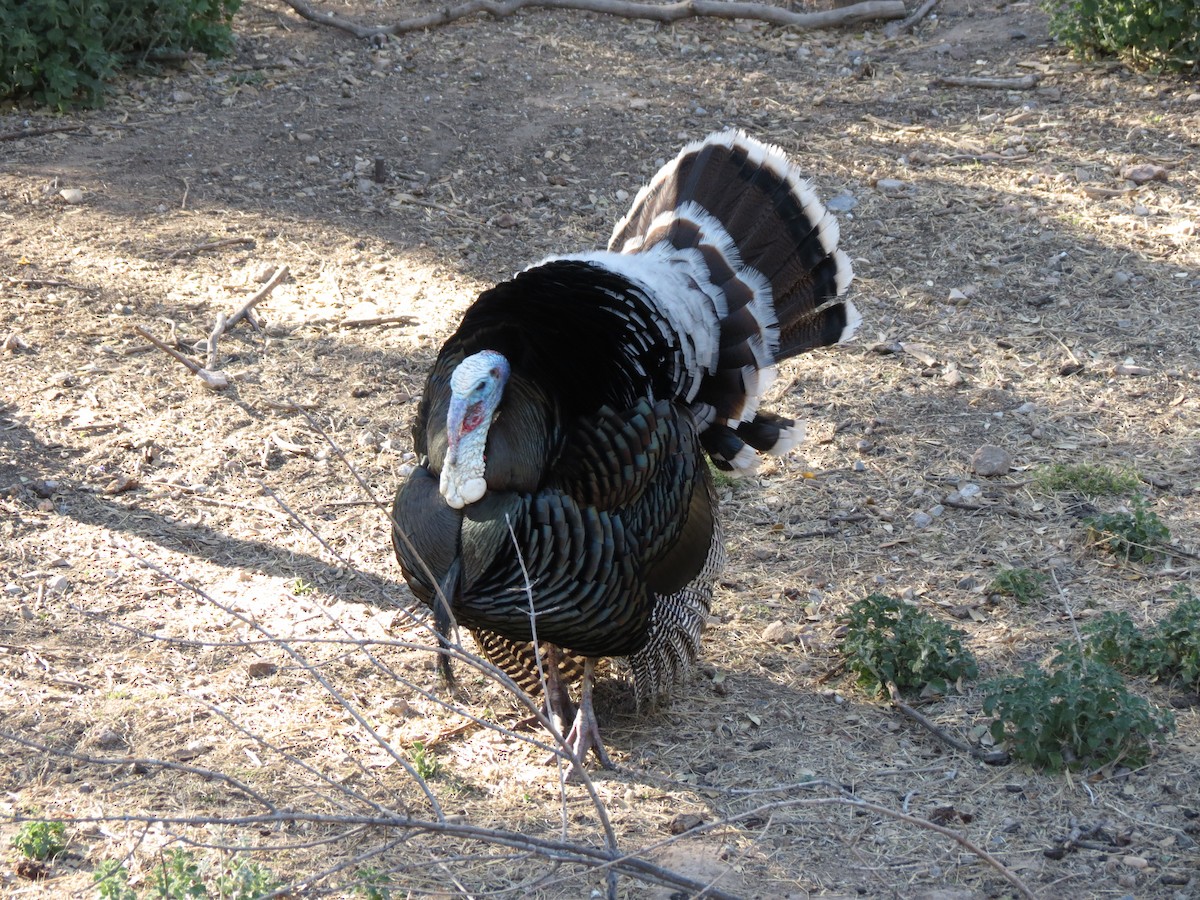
pixel 38 132
pixel 991 757
pixel 277 276
pixel 629 9
pixel 44 282
pixel 210 245
pixel 212 380
pixel 895 29
pixel 1023 83
pixel 371 321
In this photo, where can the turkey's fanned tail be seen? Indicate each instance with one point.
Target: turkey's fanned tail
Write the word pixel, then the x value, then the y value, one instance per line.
pixel 739 216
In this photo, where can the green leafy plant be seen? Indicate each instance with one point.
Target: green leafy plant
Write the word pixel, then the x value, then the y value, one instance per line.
pixel 246 880
pixel 423 761
pixel 112 881
pixel 300 587
pixel 1077 715
pixel 1023 585
pixel 1169 650
pixel 1136 535
pixel 889 641
pixel 1145 33
pixel 41 840
pixel 373 884
pixel 59 53
pixel 1089 479
pixel 178 877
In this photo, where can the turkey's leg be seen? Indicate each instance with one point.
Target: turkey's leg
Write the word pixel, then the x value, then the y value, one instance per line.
pixel 585 732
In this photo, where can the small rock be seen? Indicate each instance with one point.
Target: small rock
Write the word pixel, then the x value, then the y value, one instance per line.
pixel 922 519
pixel 261 669
pixel 397 706
pixel 119 484
pixel 843 202
pixel 110 739
pixel 1135 862
pixel 1025 409
pixel 13 588
pixel 1143 173
pixel 892 187
pixel 778 633
pixel 1130 369
pixel 990 460
pixel 507 220
pixel 71 195
pixel 969 491
pixel 685 822
pixel 1071 368
pixel 58 584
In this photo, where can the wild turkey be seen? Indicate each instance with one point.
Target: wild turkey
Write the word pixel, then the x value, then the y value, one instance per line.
pixel 563 427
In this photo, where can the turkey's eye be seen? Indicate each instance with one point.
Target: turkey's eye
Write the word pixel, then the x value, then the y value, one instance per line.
pixel 481 386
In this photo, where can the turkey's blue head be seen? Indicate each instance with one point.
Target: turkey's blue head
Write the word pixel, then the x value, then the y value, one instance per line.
pixel 476 386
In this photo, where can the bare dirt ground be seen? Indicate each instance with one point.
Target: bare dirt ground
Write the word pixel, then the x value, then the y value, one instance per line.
pixel 1017 292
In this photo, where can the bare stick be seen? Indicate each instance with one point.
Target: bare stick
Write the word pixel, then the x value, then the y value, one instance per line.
pixel 211 245
pixel 992 758
pixel 279 274
pixel 212 380
pixel 44 282
pixel 377 320
pixel 38 132
pixel 629 9
pixel 1023 83
pixel 895 29
pixel 217 331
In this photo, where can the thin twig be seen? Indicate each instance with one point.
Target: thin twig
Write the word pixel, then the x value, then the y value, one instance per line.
pixel 895 29
pixel 1019 83
pixel 991 757
pixel 276 277
pixel 38 132
pixel 210 245
pixel 212 380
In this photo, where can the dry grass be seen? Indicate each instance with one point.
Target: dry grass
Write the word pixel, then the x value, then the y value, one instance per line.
pixel 1010 256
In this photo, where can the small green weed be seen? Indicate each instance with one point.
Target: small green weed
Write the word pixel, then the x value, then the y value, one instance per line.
pixel 246 880
pixel 112 881
pixel 1023 585
pixel 41 840
pixel 889 641
pixel 373 884
pixel 1088 479
pixel 1076 715
pixel 300 587
pixel 1137 535
pixel 178 877
pixel 423 761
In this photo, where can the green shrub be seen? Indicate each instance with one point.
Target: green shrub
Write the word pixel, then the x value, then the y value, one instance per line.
pixel 1145 33
pixel 59 53
pixel 1023 585
pixel 41 840
pixel 1137 535
pixel 889 641
pixel 1078 715
pixel 177 877
pixel 1089 479
pixel 112 881
pixel 1169 650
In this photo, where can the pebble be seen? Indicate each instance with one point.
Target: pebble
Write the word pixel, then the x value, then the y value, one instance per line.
pixel 922 519
pixel 778 633
pixel 13 588
pixel 110 739
pixel 991 460
pixel 58 584
pixel 71 195
pixel 261 669
pixel 892 187
pixel 843 202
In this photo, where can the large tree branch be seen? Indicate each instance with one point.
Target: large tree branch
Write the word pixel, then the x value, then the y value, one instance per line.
pixel 629 9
